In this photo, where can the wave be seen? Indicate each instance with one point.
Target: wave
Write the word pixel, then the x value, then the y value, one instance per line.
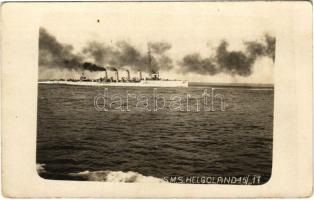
pixel 117 176
pixel 40 168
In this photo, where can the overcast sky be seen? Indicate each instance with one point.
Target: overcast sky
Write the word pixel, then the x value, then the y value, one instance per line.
pixel 189 28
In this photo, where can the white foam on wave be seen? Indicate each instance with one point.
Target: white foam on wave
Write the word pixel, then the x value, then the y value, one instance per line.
pixel 40 168
pixel 118 176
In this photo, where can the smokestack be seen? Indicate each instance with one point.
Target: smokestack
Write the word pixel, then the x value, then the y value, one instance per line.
pixel 117 73
pixel 106 75
pixel 140 74
pixel 116 70
pixel 149 64
pixel 128 72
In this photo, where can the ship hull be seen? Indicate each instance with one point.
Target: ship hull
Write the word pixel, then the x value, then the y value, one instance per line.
pixel 143 83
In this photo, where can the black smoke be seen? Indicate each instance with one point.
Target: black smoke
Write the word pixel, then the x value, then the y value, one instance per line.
pixel 99 52
pixel 159 58
pixel 127 55
pixel 113 69
pixel 124 54
pixel 194 63
pixel 92 67
pixel 159 47
pixel 55 55
pixel 230 62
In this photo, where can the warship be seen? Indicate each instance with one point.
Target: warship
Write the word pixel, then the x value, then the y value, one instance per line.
pixel 153 79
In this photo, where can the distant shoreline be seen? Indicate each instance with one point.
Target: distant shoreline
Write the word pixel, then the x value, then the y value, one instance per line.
pixel 243 85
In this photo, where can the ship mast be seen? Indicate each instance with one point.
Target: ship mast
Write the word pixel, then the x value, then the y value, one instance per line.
pixel 149 64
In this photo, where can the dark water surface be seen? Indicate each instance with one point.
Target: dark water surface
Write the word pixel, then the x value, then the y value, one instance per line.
pixel 74 137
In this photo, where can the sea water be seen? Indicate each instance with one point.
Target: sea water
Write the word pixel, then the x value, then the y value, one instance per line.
pixel 75 141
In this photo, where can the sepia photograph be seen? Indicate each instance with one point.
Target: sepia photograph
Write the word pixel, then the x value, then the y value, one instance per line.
pixel 128 98
pixel 156 99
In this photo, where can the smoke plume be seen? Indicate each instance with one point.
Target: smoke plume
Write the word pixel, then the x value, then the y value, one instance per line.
pixel 55 55
pixel 124 54
pixel 92 67
pixel 159 47
pixel 97 56
pixel 98 51
pixel 113 69
pixel 230 62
